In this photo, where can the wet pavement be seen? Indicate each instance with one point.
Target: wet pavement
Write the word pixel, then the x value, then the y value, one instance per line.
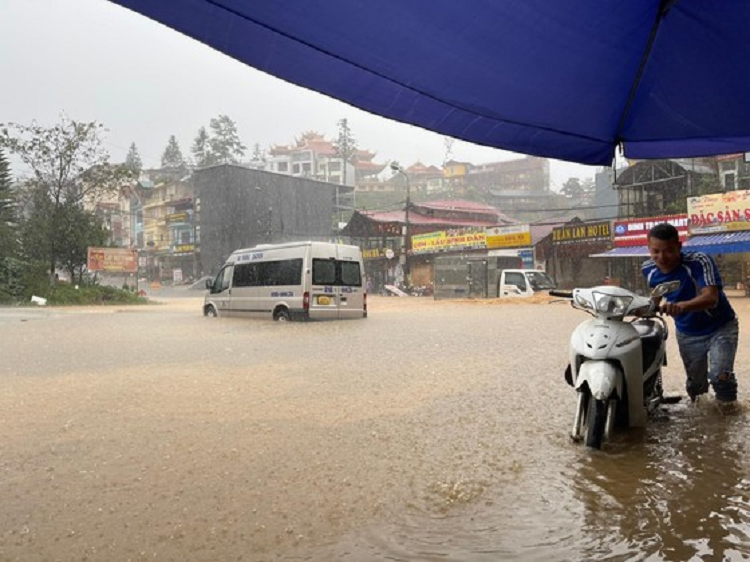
pixel 429 431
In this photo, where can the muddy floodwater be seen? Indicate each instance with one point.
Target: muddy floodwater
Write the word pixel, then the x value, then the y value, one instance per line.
pixel 429 431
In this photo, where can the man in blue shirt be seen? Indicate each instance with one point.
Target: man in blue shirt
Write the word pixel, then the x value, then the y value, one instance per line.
pixel 707 327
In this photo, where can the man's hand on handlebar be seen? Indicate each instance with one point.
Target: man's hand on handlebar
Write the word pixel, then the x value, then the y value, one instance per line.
pixel 671 308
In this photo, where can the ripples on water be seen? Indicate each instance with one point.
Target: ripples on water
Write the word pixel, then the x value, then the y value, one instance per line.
pixel 435 433
pixel 680 490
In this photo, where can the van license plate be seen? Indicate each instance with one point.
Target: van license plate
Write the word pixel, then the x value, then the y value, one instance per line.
pixel 323 300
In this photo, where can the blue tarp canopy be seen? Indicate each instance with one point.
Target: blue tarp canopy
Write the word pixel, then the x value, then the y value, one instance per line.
pixel 724 243
pixel 624 252
pixel 569 80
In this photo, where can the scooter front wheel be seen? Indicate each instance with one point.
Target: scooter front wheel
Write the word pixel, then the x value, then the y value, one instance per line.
pixel 596 422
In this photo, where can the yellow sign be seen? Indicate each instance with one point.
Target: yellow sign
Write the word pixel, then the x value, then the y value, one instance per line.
pixel 448 240
pixel 508 236
pixel 373 253
pixel 719 212
pixel 582 233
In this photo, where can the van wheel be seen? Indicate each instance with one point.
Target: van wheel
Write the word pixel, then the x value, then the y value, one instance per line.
pixel 282 315
pixel 210 311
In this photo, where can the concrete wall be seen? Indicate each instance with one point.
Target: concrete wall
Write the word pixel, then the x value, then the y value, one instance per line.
pixel 242 207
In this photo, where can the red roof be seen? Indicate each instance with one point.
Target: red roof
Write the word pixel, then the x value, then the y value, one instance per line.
pixel 417 219
pixel 462 206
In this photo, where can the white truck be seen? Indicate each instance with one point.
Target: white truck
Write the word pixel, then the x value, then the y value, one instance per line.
pixel 523 282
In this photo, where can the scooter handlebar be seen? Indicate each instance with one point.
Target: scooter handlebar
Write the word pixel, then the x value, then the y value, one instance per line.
pixel 561 294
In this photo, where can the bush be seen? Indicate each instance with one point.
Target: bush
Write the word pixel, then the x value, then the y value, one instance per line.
pixel 20 280
pixel 65 294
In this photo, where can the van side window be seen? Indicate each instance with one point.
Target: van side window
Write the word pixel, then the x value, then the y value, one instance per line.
pixel 350 274
pixel 245 275
pixel 324 272
pixel 290 272
pixel 283 272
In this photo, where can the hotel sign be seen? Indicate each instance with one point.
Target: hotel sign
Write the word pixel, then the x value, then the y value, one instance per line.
pixel 581 233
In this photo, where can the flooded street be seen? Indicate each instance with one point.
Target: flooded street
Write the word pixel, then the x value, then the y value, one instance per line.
pixel 430 431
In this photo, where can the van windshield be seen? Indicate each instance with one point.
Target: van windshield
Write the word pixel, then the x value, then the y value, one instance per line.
pixel 336 272
pixel 540 280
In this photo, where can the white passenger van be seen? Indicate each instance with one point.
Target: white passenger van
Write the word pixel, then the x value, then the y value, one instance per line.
pixel 294 281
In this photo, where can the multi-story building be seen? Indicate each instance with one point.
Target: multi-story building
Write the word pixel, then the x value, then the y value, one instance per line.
pixel 166 224
pixel 313 157
pixel 516 185
pixel 456 174
pixel 240 207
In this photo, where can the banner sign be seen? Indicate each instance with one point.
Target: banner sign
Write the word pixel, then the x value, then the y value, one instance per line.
pixel 376 253
pixel 448 241
pixel 719 212
pixel 178 217
pixel 582 233
pixel 634 232
pixel 508 236
pixel 113 260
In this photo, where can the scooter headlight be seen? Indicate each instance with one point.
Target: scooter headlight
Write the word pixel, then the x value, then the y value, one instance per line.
pixel 610 304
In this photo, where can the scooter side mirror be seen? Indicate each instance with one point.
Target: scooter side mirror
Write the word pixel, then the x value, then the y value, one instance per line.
pixel 665 288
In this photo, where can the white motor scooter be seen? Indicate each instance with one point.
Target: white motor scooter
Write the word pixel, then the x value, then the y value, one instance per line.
pixel 615 365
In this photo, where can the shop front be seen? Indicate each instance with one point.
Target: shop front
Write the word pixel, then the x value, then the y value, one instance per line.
pixel 467 263
pixel 570 262
pixel 719 225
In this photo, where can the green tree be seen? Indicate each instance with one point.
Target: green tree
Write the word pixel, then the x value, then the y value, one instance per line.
pixel 133 159
pixel 345 146
pixel 258 154
pixel 8 242
pixel 80 229
pixel 572 188
pixel 69 169
pixel 201 149
pixel 224 142
pixel 172 155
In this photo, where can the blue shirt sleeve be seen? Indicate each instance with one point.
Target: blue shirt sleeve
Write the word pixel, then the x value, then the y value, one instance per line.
pixel 647 269
pixel 704 271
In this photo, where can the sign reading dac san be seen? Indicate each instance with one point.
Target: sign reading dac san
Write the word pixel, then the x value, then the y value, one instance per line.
pixel 719 212
pixel 582 232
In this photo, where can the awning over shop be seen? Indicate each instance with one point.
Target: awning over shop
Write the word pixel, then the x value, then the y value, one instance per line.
pixel 724 243
pixel 624 252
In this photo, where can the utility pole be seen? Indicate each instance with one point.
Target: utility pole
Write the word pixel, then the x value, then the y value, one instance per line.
pixel 405 247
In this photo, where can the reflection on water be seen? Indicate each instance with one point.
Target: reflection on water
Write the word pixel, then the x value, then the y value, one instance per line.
pixel 430 431
pixel 680 494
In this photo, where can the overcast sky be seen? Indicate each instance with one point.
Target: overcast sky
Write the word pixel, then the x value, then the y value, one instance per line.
pixel 95 60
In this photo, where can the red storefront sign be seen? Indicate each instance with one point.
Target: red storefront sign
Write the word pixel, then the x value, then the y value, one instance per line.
pixel 634 232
